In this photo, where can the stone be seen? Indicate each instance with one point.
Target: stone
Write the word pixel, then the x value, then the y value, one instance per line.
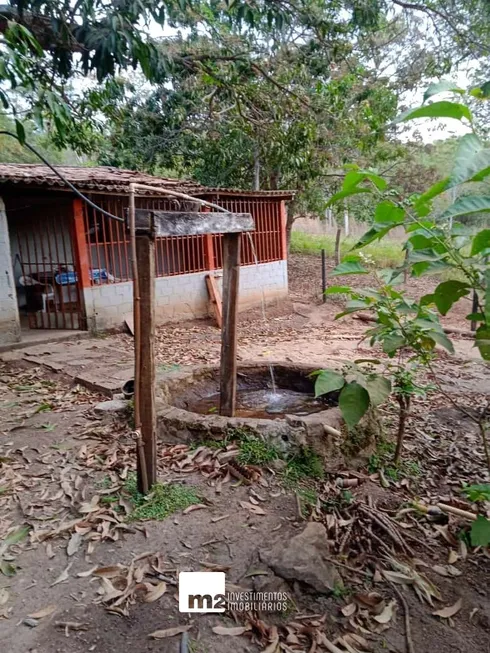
pixel 305 559
pixel 112 406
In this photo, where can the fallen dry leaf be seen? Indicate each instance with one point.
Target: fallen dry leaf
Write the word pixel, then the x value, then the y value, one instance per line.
pixel 256 510
pixel 63 576
pixel 235 631
pixel 196 506
pixel 348 610
pixel 169 632
pixel 156 592
pixel 107 572
pixel 4 596
pixel 447 570
pixel 450 611
pixel 453 557
pixel 44 612
pixel 73 544
pixel 387 614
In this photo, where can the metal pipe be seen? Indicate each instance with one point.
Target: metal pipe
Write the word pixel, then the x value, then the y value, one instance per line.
pixel 174 193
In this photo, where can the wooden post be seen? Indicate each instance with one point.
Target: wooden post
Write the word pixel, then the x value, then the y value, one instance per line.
pixel 228 371
pixel 145 257
pixel 324 276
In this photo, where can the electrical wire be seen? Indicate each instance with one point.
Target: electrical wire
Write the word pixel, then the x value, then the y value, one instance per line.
pixel 135 184
pixel 63 179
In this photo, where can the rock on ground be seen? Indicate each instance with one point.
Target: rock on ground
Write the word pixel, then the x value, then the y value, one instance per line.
pixel 305 559
pixel 112 406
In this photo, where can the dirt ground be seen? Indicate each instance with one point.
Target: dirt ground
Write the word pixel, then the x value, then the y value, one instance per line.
pixel 60 462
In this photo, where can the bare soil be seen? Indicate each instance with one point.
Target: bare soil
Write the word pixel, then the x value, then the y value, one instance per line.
pixel 56 455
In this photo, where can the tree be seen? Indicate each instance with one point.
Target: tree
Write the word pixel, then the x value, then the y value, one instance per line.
pixel 46 45
pixel 225 127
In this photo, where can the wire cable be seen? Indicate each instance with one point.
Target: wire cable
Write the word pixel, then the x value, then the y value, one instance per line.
pixel 63 179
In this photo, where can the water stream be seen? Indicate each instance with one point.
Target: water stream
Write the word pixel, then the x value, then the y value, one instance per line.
pixel 262 404
pixel 264 315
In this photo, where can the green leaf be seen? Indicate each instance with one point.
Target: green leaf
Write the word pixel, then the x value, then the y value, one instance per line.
pixel 480 532
pixel 482 341
pixel 353 402
pixel 375 233
pixel 480 242
pixel 420 242
pixel 438 188
pixel 430 267
pixel 441 339
pixel 349 267
pixel 387 212
pixel 379 389
pixel 346 193
pixel 392 342
pixel 441 87
pixel 338 290
pixel 486 307
pixel 7 568
pixel 472 161
pixel 14 538
pixel 467 205
pixel 448 293
pixel 442 109
pixel 328 381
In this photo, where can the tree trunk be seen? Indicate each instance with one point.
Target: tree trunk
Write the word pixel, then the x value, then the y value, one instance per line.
pixel 337 246
pixel 404 402
pixel 290 218
pixel 256 182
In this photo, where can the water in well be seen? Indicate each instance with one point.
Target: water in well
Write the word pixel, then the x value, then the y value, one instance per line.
pixel 263 403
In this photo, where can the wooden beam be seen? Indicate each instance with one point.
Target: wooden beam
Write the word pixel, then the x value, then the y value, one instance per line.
pixel 81 249
pixel 228 371
pixel 215 297
pixel 179 223
pixel 145 257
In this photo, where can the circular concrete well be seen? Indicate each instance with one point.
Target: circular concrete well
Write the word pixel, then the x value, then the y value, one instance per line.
pixel 284 411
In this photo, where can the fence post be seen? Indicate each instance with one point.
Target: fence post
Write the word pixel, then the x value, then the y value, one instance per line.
pixel 228 371
pixel 145 257
pixel 324 276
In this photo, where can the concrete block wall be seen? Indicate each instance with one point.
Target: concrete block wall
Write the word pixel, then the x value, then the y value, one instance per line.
pixel 183 296
pixel 9 312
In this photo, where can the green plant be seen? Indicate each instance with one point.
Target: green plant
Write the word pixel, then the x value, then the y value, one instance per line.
pixel 340 591
pixel 360 388
pixel 475 493
pixel 256 451
pixel 304 465
pixel 162 501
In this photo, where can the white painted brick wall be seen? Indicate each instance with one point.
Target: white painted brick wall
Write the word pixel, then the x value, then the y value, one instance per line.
pixel 183 296
pixel 9 312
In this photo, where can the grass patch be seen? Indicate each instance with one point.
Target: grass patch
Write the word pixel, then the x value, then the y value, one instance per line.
pixel 162 501
pixel 385 253
pixel 303 466
pixel 255 451
pixel 383 459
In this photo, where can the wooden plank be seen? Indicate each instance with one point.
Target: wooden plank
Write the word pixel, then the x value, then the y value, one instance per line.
pixel 180 223
pixel 228 370
pixel 215 297
pixel 145 257
pixel 81 248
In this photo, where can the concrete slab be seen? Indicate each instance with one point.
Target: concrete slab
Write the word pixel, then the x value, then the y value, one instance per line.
pixel 101 364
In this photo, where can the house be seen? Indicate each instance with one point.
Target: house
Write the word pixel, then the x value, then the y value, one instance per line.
pixel 65 265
